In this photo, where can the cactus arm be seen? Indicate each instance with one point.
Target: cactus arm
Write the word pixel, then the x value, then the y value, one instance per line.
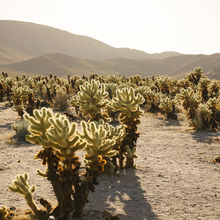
pixel 21 186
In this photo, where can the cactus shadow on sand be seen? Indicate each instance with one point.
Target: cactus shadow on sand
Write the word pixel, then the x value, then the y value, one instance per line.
pixel 6 126
pixel 204 136
pixel 125 192
pixel 172 122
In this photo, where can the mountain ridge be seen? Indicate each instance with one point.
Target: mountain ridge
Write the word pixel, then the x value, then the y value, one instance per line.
pixel 34 40
pixel 62 65
pixel 35 48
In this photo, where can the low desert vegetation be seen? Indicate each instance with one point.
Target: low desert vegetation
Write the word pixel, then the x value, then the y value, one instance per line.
pixel 108 111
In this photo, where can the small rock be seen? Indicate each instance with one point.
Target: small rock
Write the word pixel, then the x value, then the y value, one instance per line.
pixel 12 208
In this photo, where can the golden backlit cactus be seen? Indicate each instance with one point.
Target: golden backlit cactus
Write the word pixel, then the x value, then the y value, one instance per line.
pixel 128 106
pixel 20 94
pixel 214 89
pixel 60 100
pixel 163 84
pixel 116 133
pixel 91 99
pixel 60 139
pixel 98 143
pixel 202 117
pixel 39 125
pixel 4 213
pixel 203 88
pixel 21 186
pixel 194 76
pixel 168 107
pixel 152 100
pixel 190 101
pixel 53 131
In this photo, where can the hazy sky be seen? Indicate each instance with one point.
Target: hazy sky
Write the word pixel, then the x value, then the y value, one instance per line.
pixel 186 26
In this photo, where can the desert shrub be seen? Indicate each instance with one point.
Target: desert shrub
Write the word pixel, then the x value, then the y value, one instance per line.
pixel 21 129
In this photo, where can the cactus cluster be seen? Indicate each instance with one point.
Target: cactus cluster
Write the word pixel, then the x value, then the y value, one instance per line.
pixel 60 140
pixel 201 101
pixel 100 100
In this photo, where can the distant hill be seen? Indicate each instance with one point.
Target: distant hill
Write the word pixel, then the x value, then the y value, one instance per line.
pixel 33 48
pixel 31 40
pixel 8 55
pixel 62 65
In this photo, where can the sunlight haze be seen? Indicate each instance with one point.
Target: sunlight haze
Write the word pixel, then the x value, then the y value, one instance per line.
pixel 189 26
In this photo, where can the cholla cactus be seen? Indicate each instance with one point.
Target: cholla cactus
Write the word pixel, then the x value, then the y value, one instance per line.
pixel 214 105
pixel 127 103
pixel 91 100
pixel 214 89
pixel 113 138
pixel 190 101
pixel 20 95
pixel 4 213
pixel 164 84
pixel 194 76
pixel 152 100
pixel 130 154
pixel 128 106
pixel 60 101
pixel 203 89
pixel 202 117
pixel 60 139
pixel 99 143
pixel 21 185
pixel 6 84
pixel 143 91
pixel 111 89
pixel 54 132
pixel 114 79
pixel 168 107
pixel 135 80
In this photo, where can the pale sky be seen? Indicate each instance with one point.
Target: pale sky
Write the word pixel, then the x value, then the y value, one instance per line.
pixel 186 26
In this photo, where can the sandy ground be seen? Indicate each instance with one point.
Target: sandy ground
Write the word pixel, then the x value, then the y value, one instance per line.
pixel 174 178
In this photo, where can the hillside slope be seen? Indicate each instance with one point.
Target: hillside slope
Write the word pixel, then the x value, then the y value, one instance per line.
pixel 36 40
pixel 62 65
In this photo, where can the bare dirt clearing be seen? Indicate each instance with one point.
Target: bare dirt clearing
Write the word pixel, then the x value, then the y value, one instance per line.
pixel 174 178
